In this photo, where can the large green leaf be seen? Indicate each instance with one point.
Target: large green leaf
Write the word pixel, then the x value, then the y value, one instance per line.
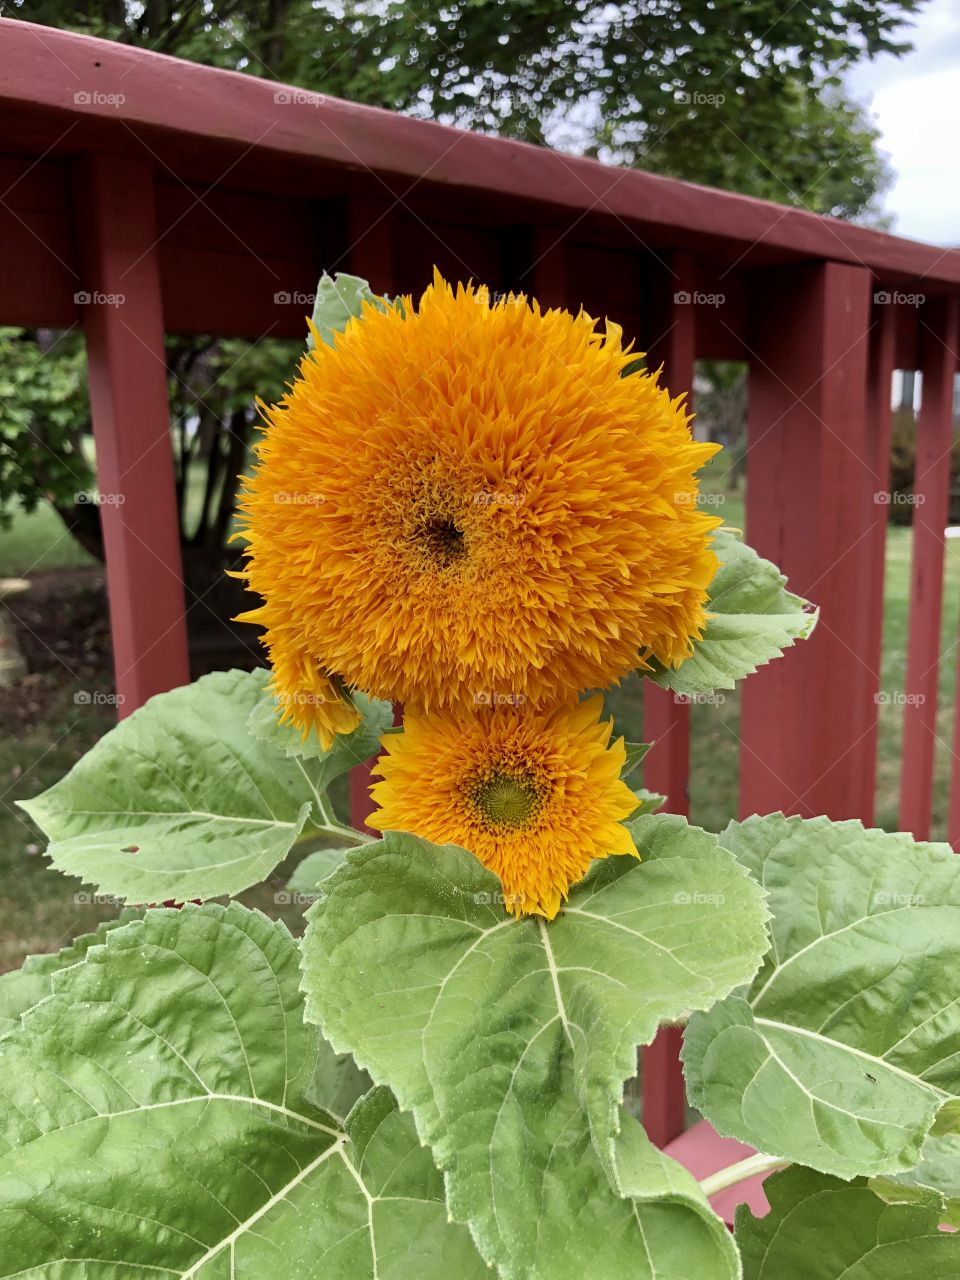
pixel 179 801
pixel 316 866
pixel 820 1228
pixel 156 1118
pixel 847 1044
pixel 22 988
pixel 347 750
pixel 937 1172
pixel 510 1040
pixel 753 618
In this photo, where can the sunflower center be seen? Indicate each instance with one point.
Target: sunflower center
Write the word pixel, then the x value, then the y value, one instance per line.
pixel 442 541
pixel 507 800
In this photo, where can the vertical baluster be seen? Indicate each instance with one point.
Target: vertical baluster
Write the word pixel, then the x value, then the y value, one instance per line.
pixel 808 487
pixel 938 364
pixel 670 339
pixel 123 328
pixel 879 430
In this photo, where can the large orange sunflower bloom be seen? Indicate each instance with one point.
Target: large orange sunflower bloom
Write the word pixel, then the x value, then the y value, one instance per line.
pixel 464 502
pixel 536 796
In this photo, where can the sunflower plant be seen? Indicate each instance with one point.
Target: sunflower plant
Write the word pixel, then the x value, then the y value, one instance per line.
pixel 482 513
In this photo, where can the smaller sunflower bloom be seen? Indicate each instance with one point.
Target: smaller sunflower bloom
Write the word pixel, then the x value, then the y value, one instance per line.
pixel 534 795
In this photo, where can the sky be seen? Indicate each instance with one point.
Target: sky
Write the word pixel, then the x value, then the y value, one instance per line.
pixel 915 101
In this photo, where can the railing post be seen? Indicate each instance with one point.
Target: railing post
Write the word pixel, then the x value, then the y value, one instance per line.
pixel 122 314
pixel 808 487
pixel 938 364
pixel 879 430
pixel 670 337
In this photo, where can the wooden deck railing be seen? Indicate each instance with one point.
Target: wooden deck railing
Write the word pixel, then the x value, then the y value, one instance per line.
pixel 204 198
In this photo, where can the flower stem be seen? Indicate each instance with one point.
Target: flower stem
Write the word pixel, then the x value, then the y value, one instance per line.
pixel 328 825
pixel 734 1173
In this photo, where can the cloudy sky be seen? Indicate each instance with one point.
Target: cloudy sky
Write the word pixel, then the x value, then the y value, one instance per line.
pixel 916 103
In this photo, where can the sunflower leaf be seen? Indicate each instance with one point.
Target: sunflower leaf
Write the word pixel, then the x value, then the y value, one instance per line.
pixel 158 1117
pixel 314 868
pixel 347 750
pixel 510 1039
pixel 851 1233
pixel 22 988
pixel 648 801
pixel 635 754
pixel 937 1172
pixel 178 801
pixel 802 1065
pixel 754 618
pixel 339 300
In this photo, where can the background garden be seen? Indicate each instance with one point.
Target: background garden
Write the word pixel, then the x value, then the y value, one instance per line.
pixel 782 126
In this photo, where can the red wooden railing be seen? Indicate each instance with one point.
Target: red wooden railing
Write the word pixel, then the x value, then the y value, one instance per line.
pixel 204 198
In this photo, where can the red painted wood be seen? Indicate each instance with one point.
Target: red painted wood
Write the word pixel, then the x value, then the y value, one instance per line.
pixel 129 407
pixel 670 339
pixel 361 805
pixel 938 363
pixel 703 1151
pixel 808 483
pixel 223 126
pixel 875 514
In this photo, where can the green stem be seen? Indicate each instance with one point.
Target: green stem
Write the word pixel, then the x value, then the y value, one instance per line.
pixel 739 1172
pixel 329 826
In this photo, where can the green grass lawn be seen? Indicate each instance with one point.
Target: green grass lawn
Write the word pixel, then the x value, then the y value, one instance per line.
pixel 37 907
